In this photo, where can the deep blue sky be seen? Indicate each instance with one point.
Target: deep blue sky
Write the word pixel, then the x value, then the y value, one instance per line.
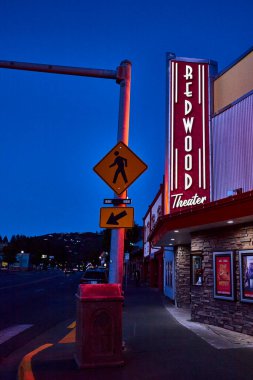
pixel 55 128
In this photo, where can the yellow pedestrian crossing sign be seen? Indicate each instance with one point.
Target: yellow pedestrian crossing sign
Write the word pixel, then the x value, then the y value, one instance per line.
pixel 120 168
pixel 116 217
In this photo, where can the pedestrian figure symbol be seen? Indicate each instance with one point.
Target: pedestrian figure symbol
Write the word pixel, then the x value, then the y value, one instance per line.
pixel 121 164
pixel 120 168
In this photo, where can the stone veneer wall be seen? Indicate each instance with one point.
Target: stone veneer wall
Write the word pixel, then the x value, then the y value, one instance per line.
pixel 232 315
pixel 182 275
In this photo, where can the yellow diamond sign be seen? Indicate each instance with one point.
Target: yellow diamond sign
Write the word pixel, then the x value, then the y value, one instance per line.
pixel 120 168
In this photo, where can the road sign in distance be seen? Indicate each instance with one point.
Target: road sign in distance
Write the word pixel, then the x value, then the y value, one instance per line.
pixel 120 168
pixel 116 217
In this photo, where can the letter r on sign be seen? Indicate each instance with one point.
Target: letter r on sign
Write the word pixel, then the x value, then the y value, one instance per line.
pixel 188 72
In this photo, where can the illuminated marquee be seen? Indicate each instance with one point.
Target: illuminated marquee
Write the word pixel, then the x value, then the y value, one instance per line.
pixel 189 178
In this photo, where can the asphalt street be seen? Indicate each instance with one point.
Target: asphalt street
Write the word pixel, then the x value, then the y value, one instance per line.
pixel 31 303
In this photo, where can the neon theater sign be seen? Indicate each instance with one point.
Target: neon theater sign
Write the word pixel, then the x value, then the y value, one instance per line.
pixel 189 162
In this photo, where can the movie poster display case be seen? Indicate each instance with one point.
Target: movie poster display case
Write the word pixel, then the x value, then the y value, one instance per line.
pixel 223 265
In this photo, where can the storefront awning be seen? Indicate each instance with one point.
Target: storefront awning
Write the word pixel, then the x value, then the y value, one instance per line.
pixel 176 228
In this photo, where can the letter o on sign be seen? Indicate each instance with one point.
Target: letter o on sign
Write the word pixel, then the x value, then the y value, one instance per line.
pixel 188 144
pixel 188 162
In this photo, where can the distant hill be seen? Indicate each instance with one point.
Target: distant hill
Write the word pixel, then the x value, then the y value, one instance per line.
pixel 86 246
pixel 64 247
pixel 69 248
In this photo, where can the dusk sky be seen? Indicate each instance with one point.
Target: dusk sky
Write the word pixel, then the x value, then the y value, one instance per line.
pixel 56 128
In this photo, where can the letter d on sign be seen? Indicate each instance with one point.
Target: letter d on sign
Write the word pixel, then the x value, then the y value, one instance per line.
pixel 187 107
pixel 187 181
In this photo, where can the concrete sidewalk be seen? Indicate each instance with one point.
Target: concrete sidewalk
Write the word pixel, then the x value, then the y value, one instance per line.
pixel 160 343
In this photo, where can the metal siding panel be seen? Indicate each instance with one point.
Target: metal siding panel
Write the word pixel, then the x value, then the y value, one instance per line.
pixel 232 139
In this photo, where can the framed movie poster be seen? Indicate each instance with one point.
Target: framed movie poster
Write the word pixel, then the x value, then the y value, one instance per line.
pixel 246 275
pixel 223 269
pixel 196 270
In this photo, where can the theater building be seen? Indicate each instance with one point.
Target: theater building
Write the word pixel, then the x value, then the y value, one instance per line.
pixel 153 256
pixel 205 231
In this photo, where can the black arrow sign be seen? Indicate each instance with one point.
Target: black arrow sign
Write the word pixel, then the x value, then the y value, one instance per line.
pixel 113 219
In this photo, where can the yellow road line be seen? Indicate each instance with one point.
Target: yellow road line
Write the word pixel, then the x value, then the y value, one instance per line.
pixel 72 325
pixel 70 337
pixel 25 367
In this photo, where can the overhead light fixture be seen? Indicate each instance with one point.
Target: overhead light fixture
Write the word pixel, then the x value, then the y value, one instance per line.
pixel 176 231
pixel 230 222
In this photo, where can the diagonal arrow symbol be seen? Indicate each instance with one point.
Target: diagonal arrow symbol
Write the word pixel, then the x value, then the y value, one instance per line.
pixel 113 219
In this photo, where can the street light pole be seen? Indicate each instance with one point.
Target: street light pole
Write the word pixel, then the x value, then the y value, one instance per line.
pixel 118 235
pixel 124 79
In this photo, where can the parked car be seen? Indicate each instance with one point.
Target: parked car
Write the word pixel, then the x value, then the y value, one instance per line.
pixel 95 276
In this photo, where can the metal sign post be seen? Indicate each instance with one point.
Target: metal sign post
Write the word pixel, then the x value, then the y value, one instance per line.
pixel 118 235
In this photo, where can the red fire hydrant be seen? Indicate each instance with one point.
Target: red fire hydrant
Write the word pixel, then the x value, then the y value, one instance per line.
pixel 99 325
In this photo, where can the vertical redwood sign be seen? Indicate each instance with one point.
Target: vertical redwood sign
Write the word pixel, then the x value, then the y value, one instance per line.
pixel 189 174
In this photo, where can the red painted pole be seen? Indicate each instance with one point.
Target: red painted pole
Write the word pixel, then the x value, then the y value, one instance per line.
pixel 118 235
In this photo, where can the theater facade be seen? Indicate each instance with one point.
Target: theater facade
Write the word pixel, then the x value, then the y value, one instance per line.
pixel 198 231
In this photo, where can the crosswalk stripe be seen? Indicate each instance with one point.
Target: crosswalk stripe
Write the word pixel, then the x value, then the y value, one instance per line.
pixel 10 332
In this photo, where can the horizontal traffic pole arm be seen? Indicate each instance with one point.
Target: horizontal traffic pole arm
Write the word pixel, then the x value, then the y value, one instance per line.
pixel 53 69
